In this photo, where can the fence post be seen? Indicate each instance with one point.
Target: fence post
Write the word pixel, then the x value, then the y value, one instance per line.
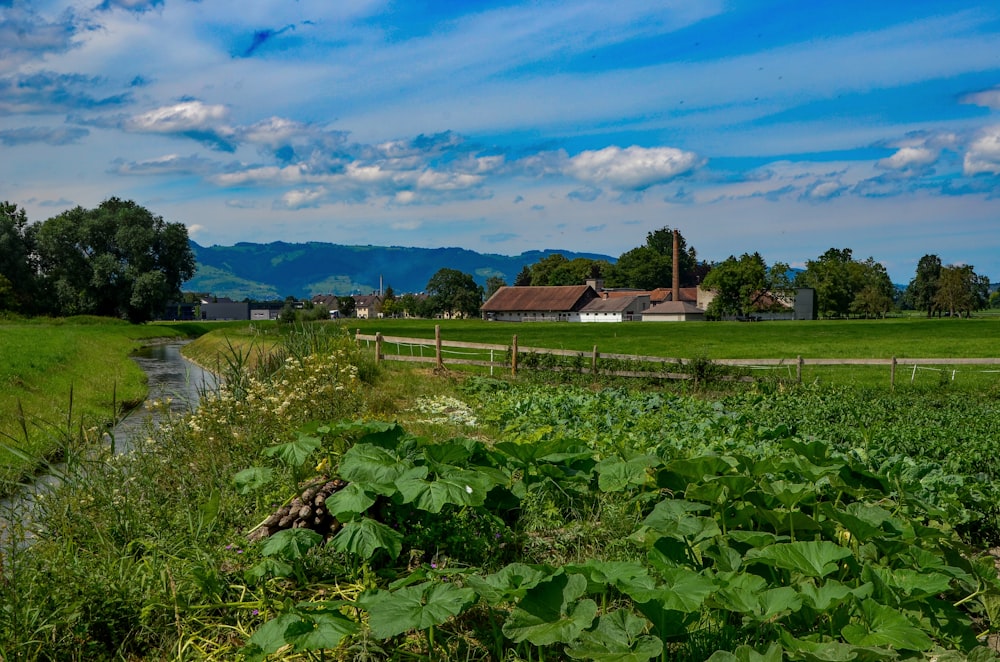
pixel 513 356
pixel 437 345
pixel 892 375
pixel 378 347
pixel 593 361
pixel 798 370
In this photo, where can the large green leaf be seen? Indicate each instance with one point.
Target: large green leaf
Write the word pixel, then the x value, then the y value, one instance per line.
pixel 738 591
pixel 907 585
pixel 683 590
pixel 615 474
pixel 884 626
pixel 294 453
pixel 364 536
pixel 416 607
pixel 302 631
pixel 551 612
pixel 462 487
pixel 291 544
pixel 349 501
pixel 319 631
pixel 374 468
pixel 510 583
pixel 618 637
pixel 673 517
pixel 830 594
pixel 813 558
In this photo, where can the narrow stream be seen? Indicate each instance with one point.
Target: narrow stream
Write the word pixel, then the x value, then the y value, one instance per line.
pixel 171 378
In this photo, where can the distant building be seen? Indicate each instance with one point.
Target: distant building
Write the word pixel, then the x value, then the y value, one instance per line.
pixel 557 303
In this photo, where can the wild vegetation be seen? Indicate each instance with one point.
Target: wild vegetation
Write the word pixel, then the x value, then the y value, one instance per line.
pixel 482 518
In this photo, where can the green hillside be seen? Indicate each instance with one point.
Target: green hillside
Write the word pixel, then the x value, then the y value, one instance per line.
pixel 280 269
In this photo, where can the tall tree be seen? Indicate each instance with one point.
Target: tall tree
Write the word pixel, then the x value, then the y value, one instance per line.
pixel 961 290
pixel 117 260
pixel 18 260
pixel 523 277
pixel 924 285
pixel 830 276
pixel 746 286
pixel 452 291
pixel 650 266
pixel 874 293
pixel 494 283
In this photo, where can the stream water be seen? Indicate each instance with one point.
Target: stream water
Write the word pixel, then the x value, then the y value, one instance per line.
pixel 171 378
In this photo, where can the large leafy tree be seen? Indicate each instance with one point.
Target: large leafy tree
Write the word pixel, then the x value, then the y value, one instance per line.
pixel 844 285
pixel 18 260
pixel 650 266
pixel 874 293
pixel 453 291
pixel 961 291
pixel 923 287
pixel 557 269
pixel 117 260
pixel 746 285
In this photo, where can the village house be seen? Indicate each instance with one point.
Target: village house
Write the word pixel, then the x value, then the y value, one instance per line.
pixel 367 306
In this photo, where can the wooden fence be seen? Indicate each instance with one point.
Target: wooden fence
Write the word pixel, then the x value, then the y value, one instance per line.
pixel 512 357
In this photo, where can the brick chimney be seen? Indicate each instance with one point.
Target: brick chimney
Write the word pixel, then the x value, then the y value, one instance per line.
pixel 675 290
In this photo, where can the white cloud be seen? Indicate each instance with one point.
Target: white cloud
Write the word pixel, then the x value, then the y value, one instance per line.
pixel 300 198
pixel 633 168
pixel 983 155
pixel 909 158
pixel 186 116
pixel 988 98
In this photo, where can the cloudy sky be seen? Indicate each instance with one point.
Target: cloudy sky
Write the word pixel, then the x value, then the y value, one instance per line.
pixel 779 126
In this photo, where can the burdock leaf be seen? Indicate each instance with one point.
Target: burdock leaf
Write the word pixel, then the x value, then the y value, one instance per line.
pixel 551 613
pixel 884 626
pixel 294 453
pixel 813 558
pixel 349 501
pixel 618 637
pixel 510 583
pixel 363 536
pixel 416 607
pixel 375 469
pixel 291 544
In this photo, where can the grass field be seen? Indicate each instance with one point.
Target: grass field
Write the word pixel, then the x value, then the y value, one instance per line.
pixel 855 339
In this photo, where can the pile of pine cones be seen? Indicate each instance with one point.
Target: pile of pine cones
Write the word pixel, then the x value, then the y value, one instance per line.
pixel 308 511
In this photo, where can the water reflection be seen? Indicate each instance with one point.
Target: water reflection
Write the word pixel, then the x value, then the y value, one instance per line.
pixel 171 378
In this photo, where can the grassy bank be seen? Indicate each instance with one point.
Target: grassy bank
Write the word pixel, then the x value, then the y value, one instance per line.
pixel 63 378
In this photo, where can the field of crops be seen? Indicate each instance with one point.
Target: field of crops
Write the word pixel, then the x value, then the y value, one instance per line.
pixel 319 507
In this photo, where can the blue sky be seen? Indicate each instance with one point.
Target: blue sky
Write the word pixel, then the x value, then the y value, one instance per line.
pixel 784 127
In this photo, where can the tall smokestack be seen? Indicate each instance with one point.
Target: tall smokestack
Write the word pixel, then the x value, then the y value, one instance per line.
pixel 675 291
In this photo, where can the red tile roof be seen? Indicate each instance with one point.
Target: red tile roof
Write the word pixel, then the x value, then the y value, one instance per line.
pixel 540 298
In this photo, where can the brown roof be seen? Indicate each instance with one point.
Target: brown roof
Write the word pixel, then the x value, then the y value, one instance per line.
pixel 657 295
pixel 611 305
pixel 539 298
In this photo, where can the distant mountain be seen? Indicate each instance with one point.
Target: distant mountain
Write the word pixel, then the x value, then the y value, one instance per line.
pixel 279 269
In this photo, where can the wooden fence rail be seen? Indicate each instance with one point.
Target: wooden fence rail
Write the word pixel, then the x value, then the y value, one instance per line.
pixel 511 355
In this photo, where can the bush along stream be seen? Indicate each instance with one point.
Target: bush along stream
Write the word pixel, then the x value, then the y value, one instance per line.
pixel 487 520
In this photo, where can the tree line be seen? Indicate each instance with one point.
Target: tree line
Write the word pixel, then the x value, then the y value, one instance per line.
pixel 116 260
pixel 747 285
